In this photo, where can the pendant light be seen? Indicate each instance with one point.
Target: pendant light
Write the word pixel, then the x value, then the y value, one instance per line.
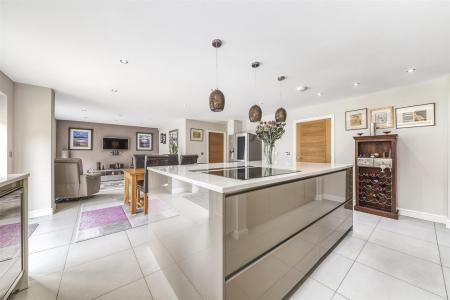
pixel 255 112
pixel 216 98
pixel 281 114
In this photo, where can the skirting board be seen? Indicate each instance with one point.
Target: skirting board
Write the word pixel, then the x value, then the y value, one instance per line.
pixel 424 216
pixel 330 197
pixel 40 212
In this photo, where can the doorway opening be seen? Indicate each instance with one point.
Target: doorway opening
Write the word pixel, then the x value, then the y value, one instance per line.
pixel 216 147
pixel 314 140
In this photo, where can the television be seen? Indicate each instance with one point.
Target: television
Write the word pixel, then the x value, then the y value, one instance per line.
pixel 110 143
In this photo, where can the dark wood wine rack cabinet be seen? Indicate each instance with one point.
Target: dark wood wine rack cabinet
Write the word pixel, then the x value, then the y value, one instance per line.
pixel 375 175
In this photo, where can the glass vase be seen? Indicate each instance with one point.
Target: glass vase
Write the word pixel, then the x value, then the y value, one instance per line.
pixel 268 153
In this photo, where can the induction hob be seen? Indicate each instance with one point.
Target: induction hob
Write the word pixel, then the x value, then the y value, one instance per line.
pixel 245 173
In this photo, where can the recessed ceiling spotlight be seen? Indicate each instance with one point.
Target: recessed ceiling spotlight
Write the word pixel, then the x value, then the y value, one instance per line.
pixel 114 90
pixel 302 88
pixel 410 70
pixel 124 61
pixel 356 83
pixel 319 94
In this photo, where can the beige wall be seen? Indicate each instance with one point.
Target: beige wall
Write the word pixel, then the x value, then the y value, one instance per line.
pixel 7 111
pixel 34 141
pixel 201 148
pixel 422 151
pixel 90 158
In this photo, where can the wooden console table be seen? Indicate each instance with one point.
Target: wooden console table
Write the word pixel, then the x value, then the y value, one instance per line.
pixel 131 176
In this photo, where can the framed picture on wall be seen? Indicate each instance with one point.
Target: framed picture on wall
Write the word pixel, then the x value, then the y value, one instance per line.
pixel 144 141
pixel 415 116
pixel 163 138
pixel 173 141
pixel 356 119
pixel 196 135
pixel 382 117
pixel 80 138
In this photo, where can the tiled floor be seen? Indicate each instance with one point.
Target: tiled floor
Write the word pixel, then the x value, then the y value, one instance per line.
pixel 380 259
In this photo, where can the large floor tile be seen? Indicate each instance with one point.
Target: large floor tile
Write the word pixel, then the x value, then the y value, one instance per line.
pixel 49 240
pixel 48 261
pixel 362 230
pixel 406 244
pixel 312 289
pixel 447 279
pixel 152 256
pixel 170 283
pixel 93 249
pixel 350 247
pixel 444 251
pixel 188 241
pixel 332 270
pixel 137 290
pixel 140 235
pixel 42 286
pixel 361 217
pixel 363 282
pixel 443 236
pixel 170 226
pixel 98 277
pixel 415 228
pixel 338 296
pixel 204 270
pixel 416 271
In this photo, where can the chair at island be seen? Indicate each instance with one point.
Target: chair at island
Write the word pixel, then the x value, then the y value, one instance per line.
pixel 142 185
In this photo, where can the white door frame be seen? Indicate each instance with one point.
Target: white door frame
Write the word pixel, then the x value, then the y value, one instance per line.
pixel 331 116
pixel 224 144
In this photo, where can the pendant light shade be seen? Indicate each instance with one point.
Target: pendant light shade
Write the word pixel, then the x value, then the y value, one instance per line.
pixel 255 113
pixel 280 114
pixel 216 98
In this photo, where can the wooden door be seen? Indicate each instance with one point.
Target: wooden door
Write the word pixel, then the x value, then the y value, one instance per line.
pixel 314 141
pixel 215 154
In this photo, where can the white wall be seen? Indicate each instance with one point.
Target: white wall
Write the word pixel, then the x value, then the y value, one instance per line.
pixel 179 124
pixel 422 151
pixel 201 148
pixel 7 92
pixel 34 144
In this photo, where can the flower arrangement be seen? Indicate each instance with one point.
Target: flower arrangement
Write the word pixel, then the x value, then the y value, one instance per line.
pixel 269 132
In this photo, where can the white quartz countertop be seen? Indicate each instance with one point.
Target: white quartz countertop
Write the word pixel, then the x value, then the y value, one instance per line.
pixel 228 185
pixel 10 178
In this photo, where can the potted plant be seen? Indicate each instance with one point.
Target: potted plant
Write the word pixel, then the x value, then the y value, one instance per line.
pixel 269 132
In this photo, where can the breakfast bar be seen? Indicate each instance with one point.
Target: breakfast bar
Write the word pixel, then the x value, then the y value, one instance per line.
pixel 270 225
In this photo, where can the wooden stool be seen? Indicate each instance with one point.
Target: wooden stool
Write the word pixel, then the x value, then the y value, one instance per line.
pixel 141 202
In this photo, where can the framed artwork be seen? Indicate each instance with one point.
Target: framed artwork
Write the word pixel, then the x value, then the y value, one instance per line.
pixel 415 116
pixel 163 138
pixel 196 135
pixel 356 119
pixel 382 117
pixel 80 138
pixel 173 141
pixel 144 141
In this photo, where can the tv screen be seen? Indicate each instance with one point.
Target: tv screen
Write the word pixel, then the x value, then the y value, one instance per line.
pixel 115 144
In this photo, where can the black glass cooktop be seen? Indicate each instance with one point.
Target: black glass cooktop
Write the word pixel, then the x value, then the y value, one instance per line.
pixel 244 173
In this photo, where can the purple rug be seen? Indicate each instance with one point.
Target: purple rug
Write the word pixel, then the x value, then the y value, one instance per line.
pixel 102 221
pixel 10 234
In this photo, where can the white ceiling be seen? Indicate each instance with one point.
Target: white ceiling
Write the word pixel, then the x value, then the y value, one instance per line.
pixel 74 47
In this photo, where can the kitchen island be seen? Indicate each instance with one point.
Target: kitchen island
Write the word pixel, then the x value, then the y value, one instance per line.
pixel 270 226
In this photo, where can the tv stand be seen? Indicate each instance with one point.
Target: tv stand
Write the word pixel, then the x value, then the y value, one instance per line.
pixel 108 174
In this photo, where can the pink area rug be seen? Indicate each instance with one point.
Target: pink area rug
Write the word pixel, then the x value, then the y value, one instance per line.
pixel 10 234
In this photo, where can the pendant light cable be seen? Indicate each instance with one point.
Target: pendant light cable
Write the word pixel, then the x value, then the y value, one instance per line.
pixel 217 68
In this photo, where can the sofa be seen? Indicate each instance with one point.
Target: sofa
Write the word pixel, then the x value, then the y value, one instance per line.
pixel 70 182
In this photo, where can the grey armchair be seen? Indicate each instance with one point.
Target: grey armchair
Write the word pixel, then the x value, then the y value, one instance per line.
pixel 70 182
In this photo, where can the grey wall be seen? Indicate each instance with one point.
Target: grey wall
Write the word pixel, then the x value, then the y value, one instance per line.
pixel 90 158
pixel 422 151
